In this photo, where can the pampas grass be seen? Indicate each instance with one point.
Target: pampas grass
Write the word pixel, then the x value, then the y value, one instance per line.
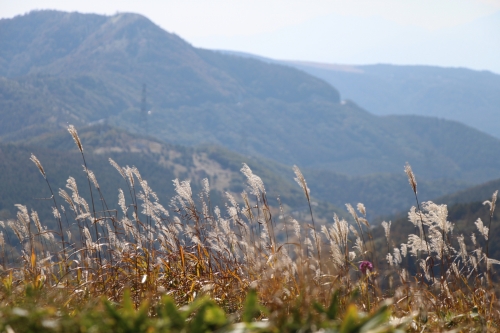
pixel 190 249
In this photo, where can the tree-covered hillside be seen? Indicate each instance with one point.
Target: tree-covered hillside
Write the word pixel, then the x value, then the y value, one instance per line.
pixel 468 96
pixel 94 69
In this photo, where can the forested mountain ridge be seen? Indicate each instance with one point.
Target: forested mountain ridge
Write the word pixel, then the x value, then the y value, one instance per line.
pixel 461 94
pixel 69 68
pixel 159 164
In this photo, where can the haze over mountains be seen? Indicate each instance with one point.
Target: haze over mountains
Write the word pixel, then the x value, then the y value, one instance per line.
pixel 352 39
pixel 464 95
pixel 59 68
pixel 460 94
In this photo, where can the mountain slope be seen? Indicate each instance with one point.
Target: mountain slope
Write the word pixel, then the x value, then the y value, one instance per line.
pixel 464 95
pixel 94 68
pixel 159 164
pixel 478 193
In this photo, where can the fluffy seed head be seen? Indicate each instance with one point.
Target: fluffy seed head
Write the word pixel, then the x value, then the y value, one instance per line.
pixel 492 203
pixel 91 176
pixel 117 167
pixel 361 209
pixel 387 229
pixel 301 181
pixel 39 165
pixel 74 134
pixel 411 177
pixel 483 230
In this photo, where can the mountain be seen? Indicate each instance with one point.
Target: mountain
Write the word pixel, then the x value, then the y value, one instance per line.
pixel 468 96
pixel 159 164
pixel 59 68
pixel 478 193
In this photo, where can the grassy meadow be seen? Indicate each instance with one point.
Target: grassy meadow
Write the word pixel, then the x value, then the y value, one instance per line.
pixel 249 266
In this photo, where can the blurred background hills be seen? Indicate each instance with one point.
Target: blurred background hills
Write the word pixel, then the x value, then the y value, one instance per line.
pixel 351 129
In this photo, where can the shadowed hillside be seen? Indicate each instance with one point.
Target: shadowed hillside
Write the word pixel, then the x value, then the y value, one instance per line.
pixel 93 68
pixel 471 97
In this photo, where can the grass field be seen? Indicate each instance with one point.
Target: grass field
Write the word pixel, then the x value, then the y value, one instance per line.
pixel 244 267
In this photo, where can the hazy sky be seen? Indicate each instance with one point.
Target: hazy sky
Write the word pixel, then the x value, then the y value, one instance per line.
pixel 285 28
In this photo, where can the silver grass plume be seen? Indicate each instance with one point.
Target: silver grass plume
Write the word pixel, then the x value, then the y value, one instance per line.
pixel 352 212
pixel 473 238
pixel 74 134
pixel 313 236
pixel 71 184
pixel 359 246
pixel 136 172
pixel 462 247
pixel 387 229
pixel 389 259
pixel 15 229
pixel 455 270
pixel 490 262
pixel 483 230
pixel 255 182
pixel 118 168
pixel 88 239
pixel 121 201
pixel 340 231
pixel 184 192
pixel 492 203
pixel 361 208
pixel 353 230
pixel 296 227
pixel 160 209
pixel 404 249
pixel 413 216
pixel 425 268
pixel 23 220
pixel 416 244
pixel 411 177
pixel 397 256
pixel 68 199
pixel 39 165
pixel 404 275
pixel 204 209
pixel 231 199
pixel 36 220
pixel 48 235
pixel 91 175
pixel 309 245
pixel 206 187
pixel 301 181
pixel 129 175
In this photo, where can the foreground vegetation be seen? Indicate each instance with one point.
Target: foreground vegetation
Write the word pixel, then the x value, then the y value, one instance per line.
pixel 246 267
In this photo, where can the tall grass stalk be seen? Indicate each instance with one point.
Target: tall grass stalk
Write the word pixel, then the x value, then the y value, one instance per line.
pixel 192 249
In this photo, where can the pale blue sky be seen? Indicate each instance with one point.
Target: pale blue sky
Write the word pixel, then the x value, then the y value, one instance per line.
pixel 436 32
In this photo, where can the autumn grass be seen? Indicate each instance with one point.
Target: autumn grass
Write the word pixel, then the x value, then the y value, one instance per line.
pixel 245 266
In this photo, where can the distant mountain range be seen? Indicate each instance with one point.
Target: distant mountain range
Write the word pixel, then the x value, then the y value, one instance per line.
pixel 59 68
pixel 460 94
